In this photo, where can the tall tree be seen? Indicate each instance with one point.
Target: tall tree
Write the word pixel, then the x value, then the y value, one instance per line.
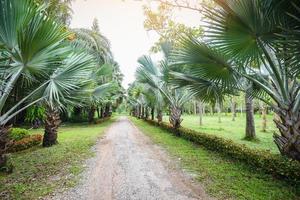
pixel 157 77
pixel 162 22
pixel 34 48
pixel 59 9
pixel 256 40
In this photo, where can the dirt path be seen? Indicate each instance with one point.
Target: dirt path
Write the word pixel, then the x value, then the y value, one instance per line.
pixel 129 166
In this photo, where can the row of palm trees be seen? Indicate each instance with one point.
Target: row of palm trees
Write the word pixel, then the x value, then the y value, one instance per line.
pixel 43 62
pixel 249 46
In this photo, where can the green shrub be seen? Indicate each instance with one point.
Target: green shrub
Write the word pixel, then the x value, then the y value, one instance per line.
pixel 99 121
pixel 275 164
pixel 26 143
pixel 18 134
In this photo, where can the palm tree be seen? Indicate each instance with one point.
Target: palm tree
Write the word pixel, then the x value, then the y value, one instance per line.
pixel 33 48
pixel 144 96
pixel 66 86
pixel 106 70
pixel 21 25
pixel 256 40
pixel 156 77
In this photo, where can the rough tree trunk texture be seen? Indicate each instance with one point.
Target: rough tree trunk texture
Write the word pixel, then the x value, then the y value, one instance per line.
pixel 264 118
pixel 152 113
pixel 195 107
pixel 200 113
pixel 288 142
pixel 107 110
pixel 136 111
pixel 142 113
pixel 233 109
pixel 92 114
pixel 52 123
pixel 146 113
pixel 98 112
pixel 159 116
pixel 175 117
pixel 250 126
pixel 5 143
pixel 102 112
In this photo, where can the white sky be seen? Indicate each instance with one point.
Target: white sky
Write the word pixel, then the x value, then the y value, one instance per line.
pixel 122 23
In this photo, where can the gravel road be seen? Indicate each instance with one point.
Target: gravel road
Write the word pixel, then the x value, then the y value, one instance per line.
pixel 128 165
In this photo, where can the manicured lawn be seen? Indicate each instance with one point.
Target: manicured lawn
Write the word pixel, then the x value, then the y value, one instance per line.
pixel 234 130
pixel 39 171
pixel 222 178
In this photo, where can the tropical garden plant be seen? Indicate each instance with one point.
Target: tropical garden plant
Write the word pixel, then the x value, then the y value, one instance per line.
pixel 36 49
pixel 157 77
pixel 254 41
pixel 106 78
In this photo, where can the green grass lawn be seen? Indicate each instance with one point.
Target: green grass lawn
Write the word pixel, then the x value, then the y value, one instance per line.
pixel 222 178
pixel 39 171
pixel 234 130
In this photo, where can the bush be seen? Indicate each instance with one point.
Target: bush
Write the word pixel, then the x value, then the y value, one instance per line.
pixel 274 164
pixel 101 120
pixel 18 134
pixel 26 143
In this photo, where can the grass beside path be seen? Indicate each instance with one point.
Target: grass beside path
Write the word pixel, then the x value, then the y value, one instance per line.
pixel 222 178
pixel 234 130
pixel 39 171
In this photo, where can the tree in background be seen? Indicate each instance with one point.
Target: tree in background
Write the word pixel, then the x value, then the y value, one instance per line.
pixel 35 115
pixel 161 22
pixel 157 77
pixel 59 9
pixel 106 75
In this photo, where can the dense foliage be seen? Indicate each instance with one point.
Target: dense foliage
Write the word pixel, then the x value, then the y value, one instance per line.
pixel 47 70
pixel 26 143
pixel 248 46
pixel 18 133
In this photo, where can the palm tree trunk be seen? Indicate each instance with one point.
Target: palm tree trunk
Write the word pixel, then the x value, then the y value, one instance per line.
pixel 250 126
pixel 152 113
pixel 159 116
pixel 102 112
pixel 137 111
pixel 92 114
pixel 175 117
pixel 143 112
pixel 146 112
pixel 52 123
pixel 98 112
pixel 288 142
pixel 264 118
pixel 219 112
pixel 233 109
pixel 200 113
pixel 5 143
pixel 107 110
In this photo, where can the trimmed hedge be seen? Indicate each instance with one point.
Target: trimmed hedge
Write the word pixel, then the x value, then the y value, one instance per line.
pixel 274 164
pixel 18 134
pixel 26 143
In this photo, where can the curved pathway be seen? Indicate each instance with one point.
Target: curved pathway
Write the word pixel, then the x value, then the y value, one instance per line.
pixel 128 165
